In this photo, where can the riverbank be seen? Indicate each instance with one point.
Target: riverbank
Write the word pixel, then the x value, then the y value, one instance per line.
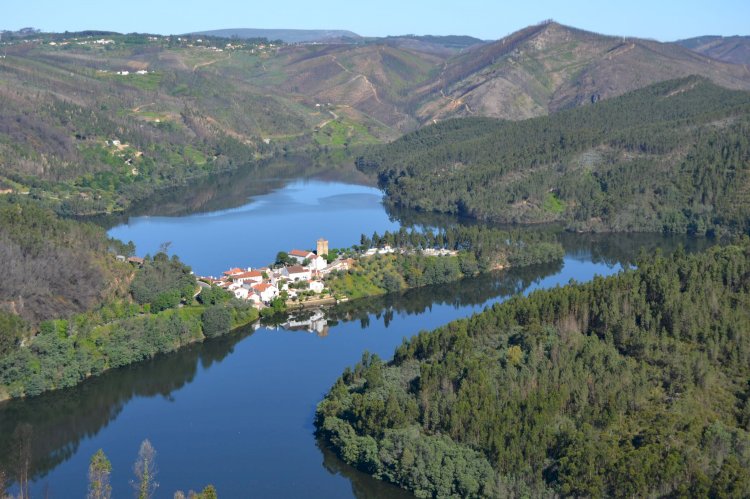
pixel 407 260
pixel 635 344
pixel 65 361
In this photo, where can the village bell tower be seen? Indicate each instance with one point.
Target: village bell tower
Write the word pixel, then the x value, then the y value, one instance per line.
pixel 322 247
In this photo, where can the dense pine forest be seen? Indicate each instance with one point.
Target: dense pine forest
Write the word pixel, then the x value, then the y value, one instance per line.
pixel 672 157
pixel 630 386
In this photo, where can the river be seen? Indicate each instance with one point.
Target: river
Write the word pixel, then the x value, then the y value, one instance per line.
pixel 238 411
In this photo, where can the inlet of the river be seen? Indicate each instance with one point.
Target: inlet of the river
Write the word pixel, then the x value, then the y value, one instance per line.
pixel 237 412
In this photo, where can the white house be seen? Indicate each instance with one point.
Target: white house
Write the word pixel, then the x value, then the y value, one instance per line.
pixel 253 276
pixel 266 292
pixel 301 255
pixel 234 271
pixel 297 273
pixel 316 262
pixel 241 293
pixel 316 286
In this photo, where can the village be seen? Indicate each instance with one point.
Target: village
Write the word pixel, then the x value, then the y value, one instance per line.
pixel 298 281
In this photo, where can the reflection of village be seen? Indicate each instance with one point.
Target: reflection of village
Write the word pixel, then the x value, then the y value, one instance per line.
pixel 298 281
pixel 308 321
pixel 314 322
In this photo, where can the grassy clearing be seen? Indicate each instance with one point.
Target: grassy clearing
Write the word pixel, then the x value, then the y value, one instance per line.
pixel 553 204
pixel 342 133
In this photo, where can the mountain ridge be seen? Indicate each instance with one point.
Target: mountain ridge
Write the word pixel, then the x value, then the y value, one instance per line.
pixel 733 49
pixel 285 35
pixel 201 104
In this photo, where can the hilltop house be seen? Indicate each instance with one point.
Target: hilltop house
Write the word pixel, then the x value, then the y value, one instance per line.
pixel 316 262
pixel 296 273
pixel 341 265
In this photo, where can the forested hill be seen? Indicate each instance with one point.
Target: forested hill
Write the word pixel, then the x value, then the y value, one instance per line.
pixel 637 385
pixel 672 157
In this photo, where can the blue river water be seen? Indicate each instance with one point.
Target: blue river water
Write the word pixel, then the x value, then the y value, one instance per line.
pixel 237 412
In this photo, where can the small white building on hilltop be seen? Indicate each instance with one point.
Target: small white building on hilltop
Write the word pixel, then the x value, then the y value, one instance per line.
pixel 297 273
pixel 316 262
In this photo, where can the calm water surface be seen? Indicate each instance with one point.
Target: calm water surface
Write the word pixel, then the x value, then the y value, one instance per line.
pixel 238 411
pixel 292 217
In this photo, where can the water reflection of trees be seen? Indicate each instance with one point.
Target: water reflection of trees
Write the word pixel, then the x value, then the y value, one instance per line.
pixel 624 249
pixel 233 189
pixel 52 425
pixel 608 248
pixel 364 486
pixel 463 293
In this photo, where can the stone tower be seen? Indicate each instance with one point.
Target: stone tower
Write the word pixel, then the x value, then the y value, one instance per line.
pixel 322 247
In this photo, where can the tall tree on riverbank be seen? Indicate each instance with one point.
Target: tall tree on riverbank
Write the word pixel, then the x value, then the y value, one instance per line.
pixel 99 471
pixel 145 471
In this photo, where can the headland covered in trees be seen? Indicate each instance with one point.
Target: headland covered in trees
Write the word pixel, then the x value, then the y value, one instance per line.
pixel 387 263
pixel 632 385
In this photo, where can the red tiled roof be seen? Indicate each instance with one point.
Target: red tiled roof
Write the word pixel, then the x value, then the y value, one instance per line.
pixel 247 275
pixel 296 269
pixel 233 271
pixel 261 287
pixel 300 253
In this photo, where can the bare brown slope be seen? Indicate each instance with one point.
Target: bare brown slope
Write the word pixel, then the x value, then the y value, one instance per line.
pixel 732 49
pixel 377 79
pixel 544 68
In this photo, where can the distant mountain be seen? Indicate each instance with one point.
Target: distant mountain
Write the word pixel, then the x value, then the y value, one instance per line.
pixel 734 49
pixel 406 82
pixel 548 67
pixel 285 35
pixel 447 41
pixel 181 108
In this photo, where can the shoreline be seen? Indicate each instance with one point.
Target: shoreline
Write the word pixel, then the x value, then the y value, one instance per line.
pixel 5 397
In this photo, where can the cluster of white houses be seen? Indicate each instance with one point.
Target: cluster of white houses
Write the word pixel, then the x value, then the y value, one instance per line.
pixel 262 285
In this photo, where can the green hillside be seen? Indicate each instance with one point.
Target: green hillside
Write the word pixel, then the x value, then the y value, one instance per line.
pixel 86 138
pixel 92 121
pixel 631 386
pixel 672 157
